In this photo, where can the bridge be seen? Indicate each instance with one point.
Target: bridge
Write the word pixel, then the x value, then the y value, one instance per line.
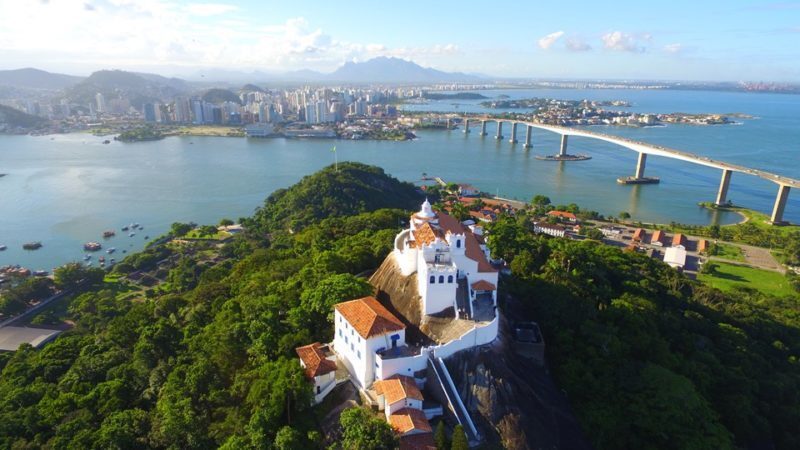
pixel 644 149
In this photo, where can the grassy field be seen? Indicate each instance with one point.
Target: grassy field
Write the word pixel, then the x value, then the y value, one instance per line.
pixel 726 251
pixel 730 276
pixel 203 130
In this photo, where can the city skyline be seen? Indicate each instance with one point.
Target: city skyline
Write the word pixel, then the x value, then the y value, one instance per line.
pixel 682 41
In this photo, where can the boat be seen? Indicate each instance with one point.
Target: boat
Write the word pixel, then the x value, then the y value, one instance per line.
pixel 135 225
pixel 125 228
pixel 109 233
pixel 87 257
pixel 40 273
pixel 106 141
pixel 102 259
pixel 111 250
pixel 2 248
pixel 32 245
pixel 92 246
pixel 131 234
pixel 147 237
pixel 112 260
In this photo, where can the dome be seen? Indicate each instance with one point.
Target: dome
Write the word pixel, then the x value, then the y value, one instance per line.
pixel 426 212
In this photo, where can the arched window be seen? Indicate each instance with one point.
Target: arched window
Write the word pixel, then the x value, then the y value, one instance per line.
pixel 441 278
pixel 433 279
pixel 458 243
pixel 449 278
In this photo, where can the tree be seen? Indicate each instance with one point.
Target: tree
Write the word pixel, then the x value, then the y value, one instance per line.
pixel 594 233
pixel 70 275
pixel 459 439
pixel 539 200
pixel 225 222
pixel 363 431
pixel 179 229
pixel 624 215
pixel 289 439
pixel 440 437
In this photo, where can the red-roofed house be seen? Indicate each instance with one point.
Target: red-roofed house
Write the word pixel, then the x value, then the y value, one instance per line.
pixel 320 368
pixel 565 215
pixel 397 392
pixel 364 327
pixel 408 421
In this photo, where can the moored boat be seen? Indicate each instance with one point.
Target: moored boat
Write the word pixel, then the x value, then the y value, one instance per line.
pixel 111 250
pixel 32 245
pixel 109 233
pixel 92 246
pixel 2 247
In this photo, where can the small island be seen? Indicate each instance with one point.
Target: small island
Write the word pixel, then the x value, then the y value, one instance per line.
pixel 140 134
pixel 454 96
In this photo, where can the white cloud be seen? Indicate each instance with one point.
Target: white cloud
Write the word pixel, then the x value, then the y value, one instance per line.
pixel 577 45
pixel 139 34
pixel 209 9
pixel 673 48
pixel 547 41
pixel 625 42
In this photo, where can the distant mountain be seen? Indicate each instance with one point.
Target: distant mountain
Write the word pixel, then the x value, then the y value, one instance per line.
pixel 36 79
pixel 12 118
pixel 136 87
pixel 394 70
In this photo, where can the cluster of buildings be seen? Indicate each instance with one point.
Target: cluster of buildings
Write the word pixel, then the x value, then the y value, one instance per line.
pixel 392 350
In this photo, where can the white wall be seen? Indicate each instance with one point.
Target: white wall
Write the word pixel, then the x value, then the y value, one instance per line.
pixel 403 366
pixel 476 336
pixel 405 403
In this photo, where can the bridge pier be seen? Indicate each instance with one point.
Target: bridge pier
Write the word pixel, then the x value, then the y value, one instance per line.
pixel 780 205
pixel 722 192
pixel 499 134
pixel 640 165
pixel 466 125
pixel 483 128
pixel 528 137
pixel 563 151
pixel 513 139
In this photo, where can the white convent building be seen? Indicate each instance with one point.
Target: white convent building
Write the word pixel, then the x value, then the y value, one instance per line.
pixel 442 251
pixel 455 284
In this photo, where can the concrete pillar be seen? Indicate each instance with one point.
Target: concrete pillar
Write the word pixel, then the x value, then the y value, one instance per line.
pixel 528 137
pixel 640 165
pixel 780 204
pixel 513 139
pixel 448 123
pixel 563 151
pixel 722 193
pixel 499 134
pixel 483 128
pixel 466 125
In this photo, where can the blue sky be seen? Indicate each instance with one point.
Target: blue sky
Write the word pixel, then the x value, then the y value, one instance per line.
pixel 698 40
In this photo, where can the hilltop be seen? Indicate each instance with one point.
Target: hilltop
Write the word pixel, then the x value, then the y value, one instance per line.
pixel 13 118
pixel 138 88
pixel 30 78
pixel 386 70
pixel 352 189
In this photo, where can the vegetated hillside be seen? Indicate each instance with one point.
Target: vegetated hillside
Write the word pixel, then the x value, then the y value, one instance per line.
pixel 251 88
pixel 353 188
pixel 218 95
pixel 650 358
pixel 206 359
pixel 30 78
pixel 13 118
pixel 138 89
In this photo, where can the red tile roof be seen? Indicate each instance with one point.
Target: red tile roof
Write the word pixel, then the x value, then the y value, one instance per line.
pixel 564 214
pixel 638 235
pixel 407 420
pixel 678 239
pixel 658 236
pixel 426 234
pixel 369 317
pixel 396 388
pixel 471 247
pixel 483 285
pixel 314 360
pixel 419 441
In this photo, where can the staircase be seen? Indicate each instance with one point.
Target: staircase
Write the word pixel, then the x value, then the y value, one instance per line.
pixel 440 383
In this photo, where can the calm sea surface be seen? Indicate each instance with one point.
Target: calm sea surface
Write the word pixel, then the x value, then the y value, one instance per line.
pixel 64 190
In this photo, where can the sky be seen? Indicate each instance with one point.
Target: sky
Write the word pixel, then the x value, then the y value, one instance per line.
pixel 676 40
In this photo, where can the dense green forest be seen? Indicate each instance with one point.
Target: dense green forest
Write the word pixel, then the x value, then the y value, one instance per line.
pixel 647 357
pixel 15 118
pixel 651 359
pixel 211 362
